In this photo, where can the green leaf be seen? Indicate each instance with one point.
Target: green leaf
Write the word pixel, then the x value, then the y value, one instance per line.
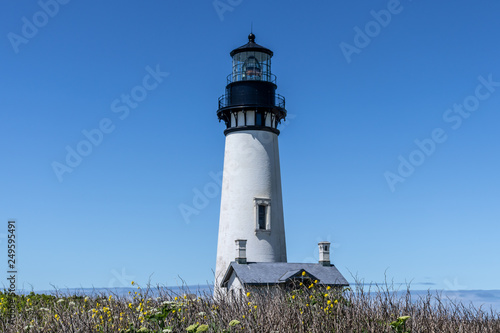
pixel 234 322
pixel 192 328
pixel 202 328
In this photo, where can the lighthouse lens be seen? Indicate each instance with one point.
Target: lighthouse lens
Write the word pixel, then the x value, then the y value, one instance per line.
pixel 251 69
pixel 251 65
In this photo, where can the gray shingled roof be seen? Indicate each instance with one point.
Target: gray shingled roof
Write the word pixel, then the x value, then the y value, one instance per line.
pixel 280 272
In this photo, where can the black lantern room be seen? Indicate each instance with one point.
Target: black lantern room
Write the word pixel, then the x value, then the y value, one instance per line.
pixel 250 101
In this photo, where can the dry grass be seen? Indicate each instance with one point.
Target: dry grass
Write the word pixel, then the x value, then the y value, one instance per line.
pixel 305 310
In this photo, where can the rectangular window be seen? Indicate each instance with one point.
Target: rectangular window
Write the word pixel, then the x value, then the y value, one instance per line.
pixel 258 119
pixel 262 214
pixel 262 217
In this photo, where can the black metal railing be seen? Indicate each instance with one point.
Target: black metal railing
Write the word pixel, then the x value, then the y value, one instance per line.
pixel 244 76
pixel 225 101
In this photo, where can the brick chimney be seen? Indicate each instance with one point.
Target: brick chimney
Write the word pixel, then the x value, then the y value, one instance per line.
pixel 241 251
pixel 324 253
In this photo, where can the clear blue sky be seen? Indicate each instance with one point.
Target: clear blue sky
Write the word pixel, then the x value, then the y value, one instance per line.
pixel 352 114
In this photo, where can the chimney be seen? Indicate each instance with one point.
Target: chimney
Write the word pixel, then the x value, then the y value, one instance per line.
pixel 324 253
pixel 241 251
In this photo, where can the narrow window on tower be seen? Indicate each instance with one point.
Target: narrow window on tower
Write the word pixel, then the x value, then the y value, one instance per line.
pixel 259 119
pixel 262 215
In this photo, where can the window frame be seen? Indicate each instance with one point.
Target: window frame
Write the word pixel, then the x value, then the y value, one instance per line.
pixel 267 203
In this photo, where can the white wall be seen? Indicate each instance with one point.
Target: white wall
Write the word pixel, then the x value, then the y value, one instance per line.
pixel 234 285
pixel 251 169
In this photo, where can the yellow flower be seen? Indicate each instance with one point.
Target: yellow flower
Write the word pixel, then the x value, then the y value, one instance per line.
pixel 315 281
pixel 328 302
pixel 56 316
pixel 133 282
pixel 293 296
pixel 326 295
pixel 175 299
pixel 248 294
pixel 336 302
pixel 304 273
pixel 328 288
pixel 130 305
pixel 255 306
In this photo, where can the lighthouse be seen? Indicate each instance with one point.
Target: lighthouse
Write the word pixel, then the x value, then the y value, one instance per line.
pixel 251 211
pixel 251 249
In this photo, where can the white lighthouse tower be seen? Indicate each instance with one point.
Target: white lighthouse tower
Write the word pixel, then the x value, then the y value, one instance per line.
pixel 251 204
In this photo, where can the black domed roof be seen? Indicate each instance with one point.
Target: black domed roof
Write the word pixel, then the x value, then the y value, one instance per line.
pixel 251 46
